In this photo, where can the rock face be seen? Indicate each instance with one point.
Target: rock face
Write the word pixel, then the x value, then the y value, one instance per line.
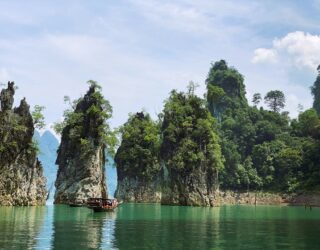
pixel 228 197
pixel 134 190
pixel 196 188
pixel 137 160
pixel 190 152
pixel 81 159
pixel 21 174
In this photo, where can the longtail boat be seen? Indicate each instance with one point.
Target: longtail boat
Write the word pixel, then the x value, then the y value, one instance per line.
pixel 102 205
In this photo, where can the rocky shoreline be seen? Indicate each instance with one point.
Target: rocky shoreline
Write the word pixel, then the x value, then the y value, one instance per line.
pixel 266 198
pixel 228 197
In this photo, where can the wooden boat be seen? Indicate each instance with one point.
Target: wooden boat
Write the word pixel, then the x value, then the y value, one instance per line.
pixel 102 205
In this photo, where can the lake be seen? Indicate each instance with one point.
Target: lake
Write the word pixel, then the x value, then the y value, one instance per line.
pixel 149 226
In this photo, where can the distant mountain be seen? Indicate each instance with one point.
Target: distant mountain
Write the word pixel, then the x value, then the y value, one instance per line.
pixel 48 145
pixel 111 173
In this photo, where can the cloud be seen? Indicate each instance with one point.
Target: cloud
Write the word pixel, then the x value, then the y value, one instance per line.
pixel 264 55
pixel 296 48
pixel 180 16
pixel 140 50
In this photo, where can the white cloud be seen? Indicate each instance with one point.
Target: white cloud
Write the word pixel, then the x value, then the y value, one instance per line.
pixel 296 48
pixel 139 50
pixel 179 16
pixel 264 55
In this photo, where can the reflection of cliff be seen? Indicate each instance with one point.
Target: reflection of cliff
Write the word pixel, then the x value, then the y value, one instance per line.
pixel 80 228
pixel 165 227
pixel 19 227
pixel 141 226
pixel 267 227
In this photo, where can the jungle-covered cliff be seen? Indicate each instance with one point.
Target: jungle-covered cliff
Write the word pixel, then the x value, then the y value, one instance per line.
pixel 81 154
pixel 138 161
pixel 21 175
pixel 238 148
pixel 263 149
pixel 190 151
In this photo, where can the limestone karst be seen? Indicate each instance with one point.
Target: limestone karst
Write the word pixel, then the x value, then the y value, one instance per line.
pixel 21 175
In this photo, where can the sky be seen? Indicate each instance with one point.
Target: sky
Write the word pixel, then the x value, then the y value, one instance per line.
pixel 139 50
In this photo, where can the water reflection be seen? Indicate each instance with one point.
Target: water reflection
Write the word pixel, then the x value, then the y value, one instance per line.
pixel 227 227
pixel 268 227
pixel 80 228
pixel 142 226
pixel 19 226
pixel 166 227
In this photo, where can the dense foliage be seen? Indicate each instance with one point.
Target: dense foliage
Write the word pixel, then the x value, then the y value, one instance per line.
pixel 228 90
pixel 138 154
pixel 38 117
pixel 315 90
pixel 262 149
pixel 189 138
pixel 86 122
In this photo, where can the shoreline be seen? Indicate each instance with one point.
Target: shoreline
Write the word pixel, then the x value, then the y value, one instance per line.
pixel 228 197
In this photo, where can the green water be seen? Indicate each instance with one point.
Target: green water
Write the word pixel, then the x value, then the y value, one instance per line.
pixel 138 226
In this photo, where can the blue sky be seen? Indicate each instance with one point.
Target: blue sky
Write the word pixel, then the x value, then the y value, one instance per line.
pixel 139 50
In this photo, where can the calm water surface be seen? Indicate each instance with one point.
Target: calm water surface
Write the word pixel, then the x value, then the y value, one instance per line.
pixel 138 226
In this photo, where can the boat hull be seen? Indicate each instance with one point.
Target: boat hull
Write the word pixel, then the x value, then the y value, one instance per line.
pixel 102 205
pixel 100 209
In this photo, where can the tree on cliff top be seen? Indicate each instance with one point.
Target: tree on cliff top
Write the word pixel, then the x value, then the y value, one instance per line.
pixel 38 117
pixel 315 90
pixel 256 99
pixel 225 88
pixel 189 140
pixel 138 154
pixel 275 99
pixel 86 121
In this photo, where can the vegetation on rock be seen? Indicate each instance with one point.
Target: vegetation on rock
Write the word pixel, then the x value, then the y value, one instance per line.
pixel 190 150
pixel 188 132
pixel 315 90
pixel 21 174
pixel 138 154
pixel 263 149
pixel 86 135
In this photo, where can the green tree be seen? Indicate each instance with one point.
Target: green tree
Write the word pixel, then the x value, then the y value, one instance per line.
pixel 38 117
pixel 288 164
pixel 275 99
pixel 222 77
pixel 256 99
pixel 138 154
pixel 88 116
pixel 263 158
pixel 188 132
pixel 309 123
pixel 315 90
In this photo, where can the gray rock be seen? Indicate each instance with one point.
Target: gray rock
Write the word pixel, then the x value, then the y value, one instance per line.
pixel 81 159
pixel 193 189
pixel 6 97
pixel 21 175
pixel 134 190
